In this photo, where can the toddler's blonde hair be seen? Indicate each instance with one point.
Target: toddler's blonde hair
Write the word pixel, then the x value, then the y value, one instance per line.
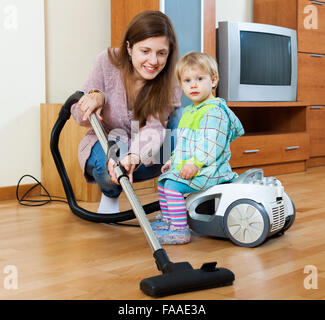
pixel 197 59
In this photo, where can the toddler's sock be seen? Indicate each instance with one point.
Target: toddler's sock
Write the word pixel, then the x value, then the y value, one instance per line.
pixel 173 235
pixel 160 222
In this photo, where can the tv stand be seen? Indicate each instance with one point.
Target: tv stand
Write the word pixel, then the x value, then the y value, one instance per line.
pixel 275 139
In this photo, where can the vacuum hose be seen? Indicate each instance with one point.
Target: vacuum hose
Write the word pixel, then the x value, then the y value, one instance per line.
pixel 63 117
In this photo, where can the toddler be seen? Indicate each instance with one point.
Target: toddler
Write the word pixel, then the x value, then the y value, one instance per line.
pixel 201 156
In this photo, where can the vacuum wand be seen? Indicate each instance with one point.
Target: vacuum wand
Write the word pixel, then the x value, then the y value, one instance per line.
pixel 111 149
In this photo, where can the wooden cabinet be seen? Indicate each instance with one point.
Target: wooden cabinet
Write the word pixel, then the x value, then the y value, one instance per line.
pixel 311 78
pixel 122 12
pixel 275 137
pixel 316 121
pixel 305 16
pixel 251 150
pixel 310 25
pixel 308 18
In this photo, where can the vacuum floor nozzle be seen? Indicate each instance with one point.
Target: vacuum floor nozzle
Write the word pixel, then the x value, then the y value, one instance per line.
pixel 187 279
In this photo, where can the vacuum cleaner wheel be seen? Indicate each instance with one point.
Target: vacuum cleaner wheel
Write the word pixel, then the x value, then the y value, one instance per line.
pixel 246 223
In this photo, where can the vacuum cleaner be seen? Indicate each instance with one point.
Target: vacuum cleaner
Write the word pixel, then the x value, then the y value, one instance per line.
pixel 248 211
pixel 176 277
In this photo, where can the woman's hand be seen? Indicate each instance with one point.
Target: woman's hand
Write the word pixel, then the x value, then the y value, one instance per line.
pixel 110 168
pixel 91 102
pixel 188 170
pixel 129 162
pixel 166 166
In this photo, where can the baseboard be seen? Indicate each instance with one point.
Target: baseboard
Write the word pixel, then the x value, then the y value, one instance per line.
pixel 316 162
pixel 9 193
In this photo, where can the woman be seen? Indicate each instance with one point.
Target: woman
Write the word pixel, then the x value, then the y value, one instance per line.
pixel 133 91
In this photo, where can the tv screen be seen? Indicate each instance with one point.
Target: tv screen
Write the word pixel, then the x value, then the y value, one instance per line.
pixel 265 59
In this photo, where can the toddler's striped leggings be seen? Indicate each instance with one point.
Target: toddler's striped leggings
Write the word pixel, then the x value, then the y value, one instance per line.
pixel 172 201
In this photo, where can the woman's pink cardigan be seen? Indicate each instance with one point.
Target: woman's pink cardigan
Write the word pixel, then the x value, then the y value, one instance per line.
pixel 117 121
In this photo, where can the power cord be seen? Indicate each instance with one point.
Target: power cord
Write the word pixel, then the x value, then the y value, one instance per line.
pixel 34 203
pixel 37 203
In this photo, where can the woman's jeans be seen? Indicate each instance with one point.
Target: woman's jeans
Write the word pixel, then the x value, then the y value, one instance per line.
pixel 96 166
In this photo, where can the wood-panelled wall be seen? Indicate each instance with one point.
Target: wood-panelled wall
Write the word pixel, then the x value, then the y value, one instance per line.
pixel 122 12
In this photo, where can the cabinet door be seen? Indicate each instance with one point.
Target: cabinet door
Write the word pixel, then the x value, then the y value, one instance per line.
pixel 311 85
pixel 316 121
pixel 311 26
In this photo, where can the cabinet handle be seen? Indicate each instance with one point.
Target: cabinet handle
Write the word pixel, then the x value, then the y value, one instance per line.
pixel 316 55
pixel 251 151
pixel 316 107
pixel 292 148
pixel 318 2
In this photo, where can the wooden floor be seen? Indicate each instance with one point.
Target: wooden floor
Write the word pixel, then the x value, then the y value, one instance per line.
pixel 59 256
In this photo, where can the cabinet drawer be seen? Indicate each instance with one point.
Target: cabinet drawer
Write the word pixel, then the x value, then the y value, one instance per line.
pixel 315 122
pixel 267 149
pixel 311 26
pixel 311 78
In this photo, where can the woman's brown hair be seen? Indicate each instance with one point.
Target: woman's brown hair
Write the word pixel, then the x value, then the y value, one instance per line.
pixel 155 98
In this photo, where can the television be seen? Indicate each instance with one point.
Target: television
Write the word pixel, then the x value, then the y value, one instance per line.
pixel 257 62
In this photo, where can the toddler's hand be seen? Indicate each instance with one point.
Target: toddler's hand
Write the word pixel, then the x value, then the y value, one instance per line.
pixel 188 170
pixel 166 166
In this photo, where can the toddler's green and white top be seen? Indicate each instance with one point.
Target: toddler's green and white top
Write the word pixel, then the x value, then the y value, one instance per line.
pixel 204 134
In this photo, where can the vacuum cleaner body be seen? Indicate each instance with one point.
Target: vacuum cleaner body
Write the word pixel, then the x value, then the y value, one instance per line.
pixel 246 211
